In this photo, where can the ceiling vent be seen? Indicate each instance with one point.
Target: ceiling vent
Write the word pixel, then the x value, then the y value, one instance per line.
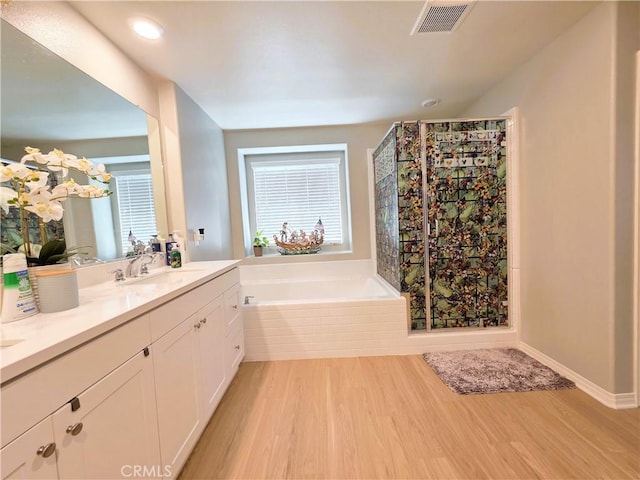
pixel 440 16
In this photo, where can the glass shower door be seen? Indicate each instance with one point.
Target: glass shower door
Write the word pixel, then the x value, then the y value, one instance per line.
pixel 465 185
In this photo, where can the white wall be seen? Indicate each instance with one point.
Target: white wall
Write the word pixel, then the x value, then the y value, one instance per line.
pixel 576 178
pixel 204 175
pixel 357 137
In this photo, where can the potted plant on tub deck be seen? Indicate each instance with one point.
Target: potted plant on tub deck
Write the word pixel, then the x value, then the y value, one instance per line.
pixel 259 242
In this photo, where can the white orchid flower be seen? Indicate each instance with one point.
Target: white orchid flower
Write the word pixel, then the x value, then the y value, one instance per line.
pixel 35 249
pixel 70 186
pixel 7 195
pixel 81 164
pixel 91 191
pixel 14 171
pixel 36 179
pixel 56 162
pixel 45 207
pixel 30 190
pixel 60 192
pixel 23 199
pixel 64 158
pixel 34 155
pixel 47 211
pixel 101 174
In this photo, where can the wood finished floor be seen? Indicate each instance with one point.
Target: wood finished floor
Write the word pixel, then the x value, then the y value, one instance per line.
pixel 391 417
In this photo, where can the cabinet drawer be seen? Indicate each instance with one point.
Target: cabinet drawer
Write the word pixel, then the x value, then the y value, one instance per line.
pixel 235 349
pixel 231 308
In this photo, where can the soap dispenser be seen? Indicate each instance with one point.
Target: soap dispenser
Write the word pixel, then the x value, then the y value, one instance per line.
pixel 168 247
pixel 180 242
pixel 176 256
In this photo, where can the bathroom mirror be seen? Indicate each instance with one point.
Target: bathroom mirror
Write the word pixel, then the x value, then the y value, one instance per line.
pixel 46 102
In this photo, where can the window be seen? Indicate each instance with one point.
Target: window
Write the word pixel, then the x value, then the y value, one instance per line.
pixel 136 210
pixel 298 185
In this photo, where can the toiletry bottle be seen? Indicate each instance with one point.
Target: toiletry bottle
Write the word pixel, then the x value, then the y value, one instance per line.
pixel 176 257
pixel 18 301
pixel 169 246
pixel 163 244
pixel 180 241
pixel 155 244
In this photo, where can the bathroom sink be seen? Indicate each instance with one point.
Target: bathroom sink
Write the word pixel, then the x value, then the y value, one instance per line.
pixel 9 342
pixel 164 277
pixel 157 279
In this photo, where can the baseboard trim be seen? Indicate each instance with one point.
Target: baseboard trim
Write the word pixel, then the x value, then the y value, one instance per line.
pixel 612 400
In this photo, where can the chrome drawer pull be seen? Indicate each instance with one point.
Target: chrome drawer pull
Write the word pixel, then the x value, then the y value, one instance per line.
pixel 47 450
pixel 75 429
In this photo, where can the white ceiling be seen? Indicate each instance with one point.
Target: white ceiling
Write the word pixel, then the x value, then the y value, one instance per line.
pixel 294 63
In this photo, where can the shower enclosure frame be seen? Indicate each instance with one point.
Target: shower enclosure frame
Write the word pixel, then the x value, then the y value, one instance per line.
pixel 512 220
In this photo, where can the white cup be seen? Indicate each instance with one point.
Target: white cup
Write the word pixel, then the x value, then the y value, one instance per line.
pixel 58 290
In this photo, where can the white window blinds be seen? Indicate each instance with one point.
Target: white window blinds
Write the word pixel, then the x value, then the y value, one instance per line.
pixel 298 191
pixel 136 210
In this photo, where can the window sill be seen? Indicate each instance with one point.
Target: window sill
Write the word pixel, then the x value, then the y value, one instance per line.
pixel 275 257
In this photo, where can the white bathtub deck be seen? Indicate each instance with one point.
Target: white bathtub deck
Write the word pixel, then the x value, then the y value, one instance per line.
pixel 333 328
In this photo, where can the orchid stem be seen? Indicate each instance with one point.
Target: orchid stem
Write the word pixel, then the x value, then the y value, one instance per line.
pixel 24 222
pixel 43 231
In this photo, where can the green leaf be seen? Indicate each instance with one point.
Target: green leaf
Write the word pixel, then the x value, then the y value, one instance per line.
pixel 442 289
pixel 464 216
pixel 502 170
pixel 52 247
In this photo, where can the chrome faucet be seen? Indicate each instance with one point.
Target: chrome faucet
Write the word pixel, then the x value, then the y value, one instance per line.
pixel 137 266
pixel 119 275
pixel 144 269
pixel 246 299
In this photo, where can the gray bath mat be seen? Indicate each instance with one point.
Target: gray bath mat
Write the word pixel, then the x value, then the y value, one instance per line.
pixel 493 370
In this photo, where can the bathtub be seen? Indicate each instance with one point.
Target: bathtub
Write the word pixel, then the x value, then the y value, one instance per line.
pixel 332 290
pixel 332 309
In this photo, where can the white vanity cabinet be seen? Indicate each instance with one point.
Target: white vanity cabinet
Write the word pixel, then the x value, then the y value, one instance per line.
pixel 106 431
pixel 131 401
pixel 32 455
pixel 111 429
pixel 110 382
pixel 190 363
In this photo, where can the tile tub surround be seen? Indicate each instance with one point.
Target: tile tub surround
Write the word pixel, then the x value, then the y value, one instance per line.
pixel 30 342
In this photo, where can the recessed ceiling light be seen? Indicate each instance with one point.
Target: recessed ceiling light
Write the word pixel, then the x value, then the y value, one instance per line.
pixel 432 102
pixel 146 28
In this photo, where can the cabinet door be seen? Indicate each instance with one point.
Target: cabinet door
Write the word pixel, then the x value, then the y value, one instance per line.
pixel 210 336
pixel 176 373
pixel 110 429
pixel 31 455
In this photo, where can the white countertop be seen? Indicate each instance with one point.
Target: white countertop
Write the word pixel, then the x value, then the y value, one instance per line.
pixel 103 307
